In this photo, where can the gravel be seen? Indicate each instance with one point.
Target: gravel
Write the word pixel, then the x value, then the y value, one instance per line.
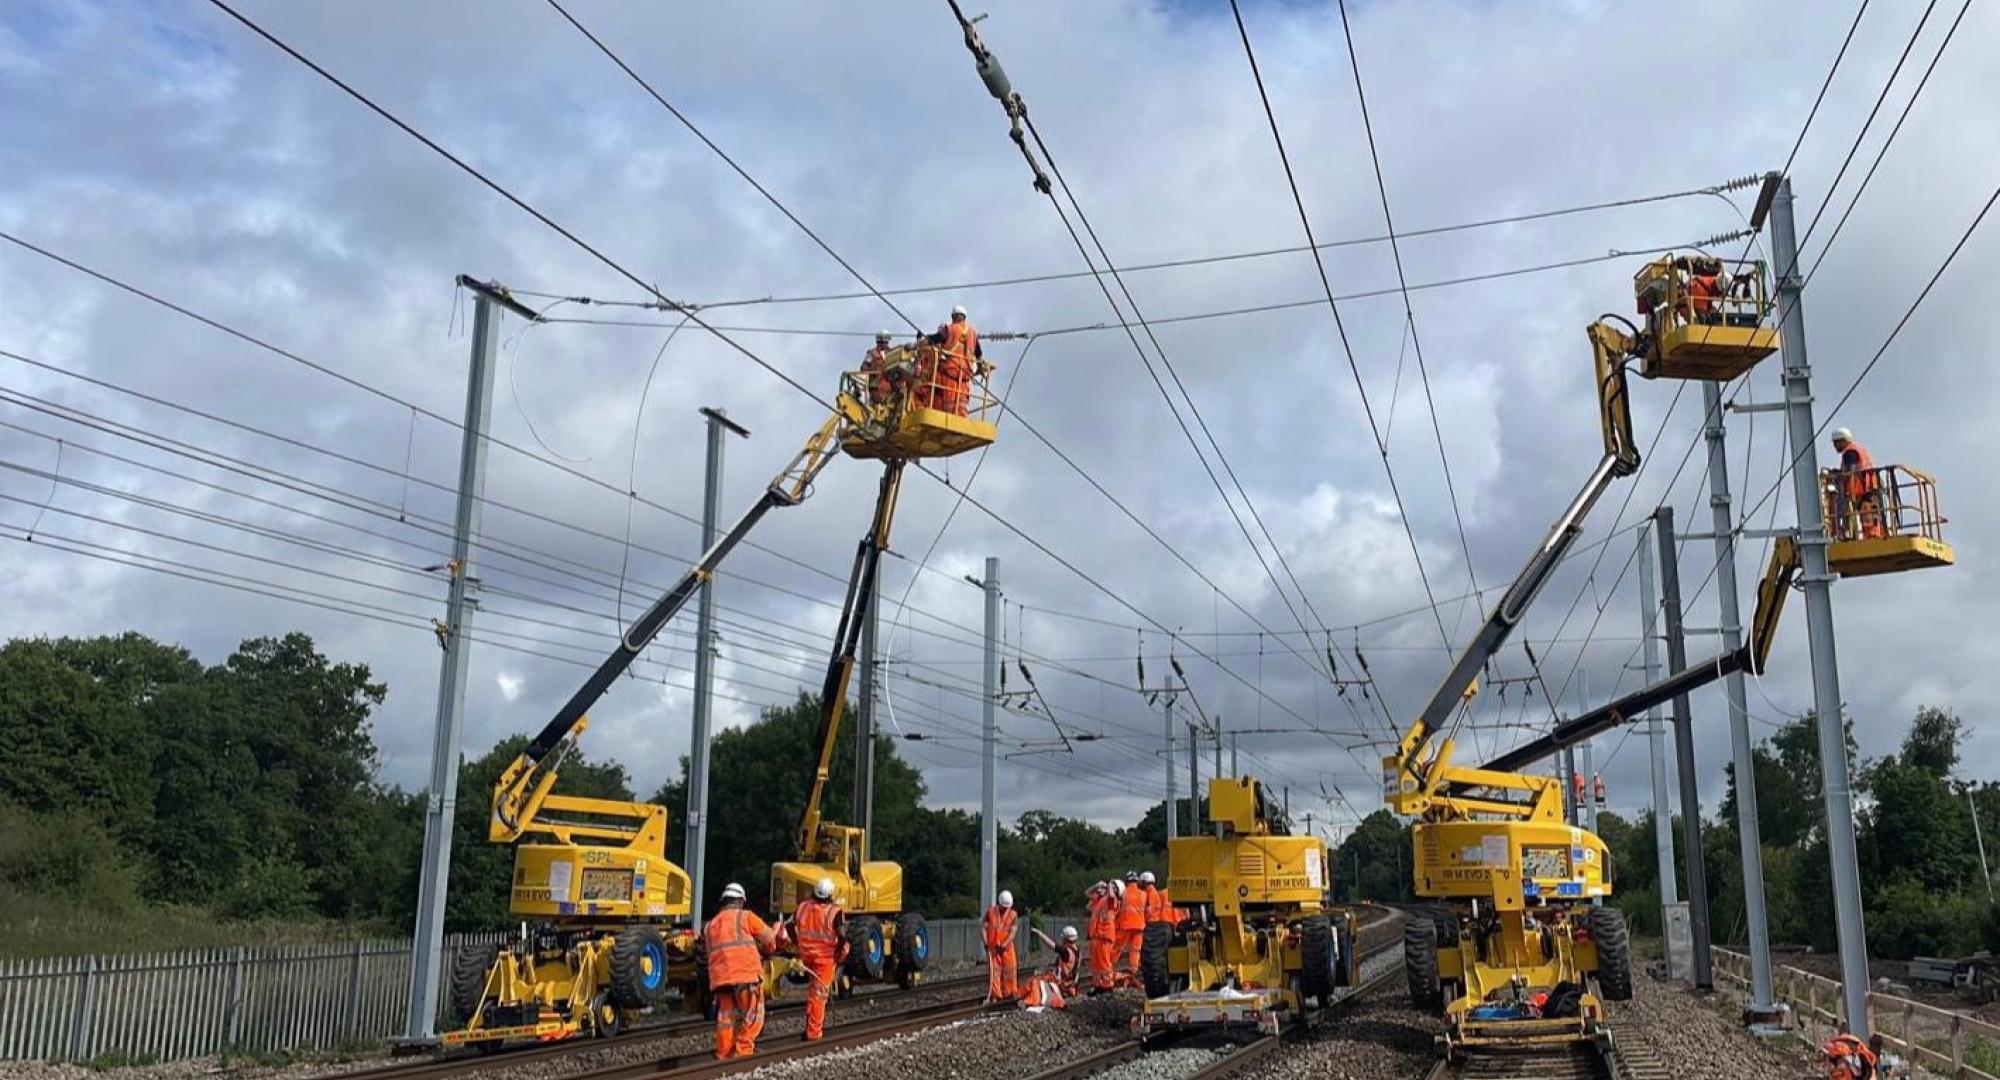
pixel 1377 1035
pixel 1669 1020
pixel 1001 1046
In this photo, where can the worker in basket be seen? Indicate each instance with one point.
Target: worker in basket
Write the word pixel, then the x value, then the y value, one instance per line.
pixel 1002 962
pixel 1703 289
pixel 1103 907
pixel 878 374
pixel 1053 986
pixel 819 929
pixel 735 943
pixel 947 386
pixel 1858 508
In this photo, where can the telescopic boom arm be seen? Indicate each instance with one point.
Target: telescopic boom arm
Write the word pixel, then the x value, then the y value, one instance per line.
pixel 1611 349
pixel 521 790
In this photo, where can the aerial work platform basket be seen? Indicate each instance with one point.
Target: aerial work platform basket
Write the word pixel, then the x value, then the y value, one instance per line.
pixel 1882 521
pixel 1706 318
pixel 923 402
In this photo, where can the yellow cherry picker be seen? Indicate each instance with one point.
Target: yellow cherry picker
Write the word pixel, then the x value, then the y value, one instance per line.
pixel 605 930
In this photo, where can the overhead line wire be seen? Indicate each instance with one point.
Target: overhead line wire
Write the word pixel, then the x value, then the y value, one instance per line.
pixel 1402 282
pixel 1326 284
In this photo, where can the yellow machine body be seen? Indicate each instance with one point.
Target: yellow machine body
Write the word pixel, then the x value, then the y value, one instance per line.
pixel 567 880
pixel 861 886
pixel 1257 942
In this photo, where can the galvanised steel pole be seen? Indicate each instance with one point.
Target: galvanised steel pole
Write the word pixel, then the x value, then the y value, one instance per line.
pixel 1750 838
pixel 1697 874
pixel 1817 582
pixel 441 797
pixel 1656 729
pixel 719 424
pixel 989 822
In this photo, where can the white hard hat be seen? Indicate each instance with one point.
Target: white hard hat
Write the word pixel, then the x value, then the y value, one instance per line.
pixel 1117 887
pixel 1006 899
pixel 957 310
pixel 824 890
pixel 881 335
pixel 1146 878
pixel 1841 434
pixel 1069 933
pixel 732 891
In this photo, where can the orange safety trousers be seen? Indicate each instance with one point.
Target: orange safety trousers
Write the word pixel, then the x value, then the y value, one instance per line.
pixel 824 970
pixel 739 1019
pixel 1003 976
pixel 1102 961
pixel 1129 942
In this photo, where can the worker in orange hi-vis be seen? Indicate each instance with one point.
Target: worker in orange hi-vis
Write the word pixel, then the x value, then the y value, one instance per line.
pixel 1131 928
pixel 1159 907
pixel 1103 935
pixel 736 942
pixel 1859 511
pixel 1002 962
pixel 959 356
pixel 820 929
pixel 1052 987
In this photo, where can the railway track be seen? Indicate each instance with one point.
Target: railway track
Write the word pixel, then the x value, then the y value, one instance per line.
pixel 473 1063
pixel 1605 1060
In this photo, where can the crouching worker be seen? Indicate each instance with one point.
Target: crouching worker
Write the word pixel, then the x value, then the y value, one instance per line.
pixel 1052 987
pixel 736 942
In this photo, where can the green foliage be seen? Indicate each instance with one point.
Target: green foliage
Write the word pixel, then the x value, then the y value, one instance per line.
pixel 1373 862
pixel 1932 744
pixel 69 855
pixel 268 887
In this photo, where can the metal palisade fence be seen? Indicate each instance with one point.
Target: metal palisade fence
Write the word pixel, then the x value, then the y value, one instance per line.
pixel 169 1005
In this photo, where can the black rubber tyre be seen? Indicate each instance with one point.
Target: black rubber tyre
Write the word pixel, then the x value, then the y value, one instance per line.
pixel 1420 964
pixel 1614 953
pixel 911 948
pixel 469 968
pixel 1319 959
pixel 864 948
pixel 1153 970
pixel 1447 926
pixel 638 968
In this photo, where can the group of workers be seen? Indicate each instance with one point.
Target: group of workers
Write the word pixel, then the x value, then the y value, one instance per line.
pixel 940 377
pixel 1120 911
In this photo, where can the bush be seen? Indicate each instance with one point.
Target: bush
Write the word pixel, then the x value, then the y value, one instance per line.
pixel 1905 919
pixel 66 855
pixel 269 887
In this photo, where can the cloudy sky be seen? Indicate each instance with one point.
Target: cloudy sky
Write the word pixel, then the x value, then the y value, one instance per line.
pixel 200 488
